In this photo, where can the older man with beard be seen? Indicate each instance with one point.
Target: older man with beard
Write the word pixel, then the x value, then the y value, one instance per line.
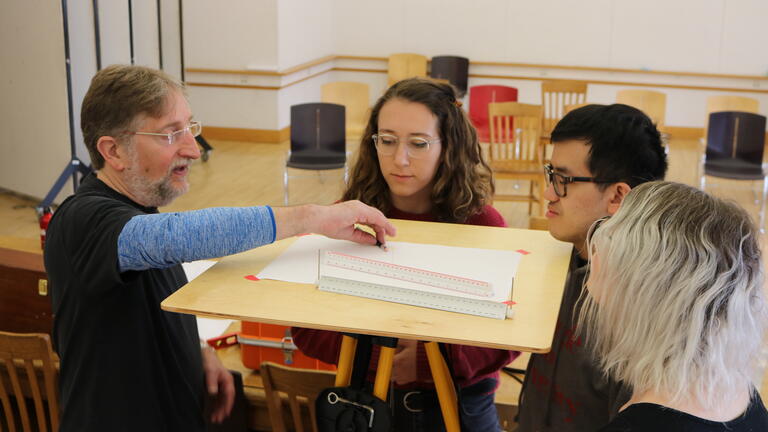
pixel 112 258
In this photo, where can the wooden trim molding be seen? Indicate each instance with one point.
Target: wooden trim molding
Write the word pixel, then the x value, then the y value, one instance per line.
pixel 626 83
pixel 328 58
pixel 236 86
pixel 269 136
pixel 685 133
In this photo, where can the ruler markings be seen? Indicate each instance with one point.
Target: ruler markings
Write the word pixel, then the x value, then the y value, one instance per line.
pixel 409 274
pixel 485 308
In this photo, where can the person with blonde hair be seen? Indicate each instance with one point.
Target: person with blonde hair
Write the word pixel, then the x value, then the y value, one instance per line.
pixel 420 159
pixel 675 309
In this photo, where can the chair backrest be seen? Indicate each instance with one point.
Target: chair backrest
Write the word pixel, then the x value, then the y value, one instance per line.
pixel 652 103
pixel 318 126
pixel 453 68
pixel 301 387
pixel 555 95
pixel 479 98
pixel 730 103
pixel 538 223
pixel 518 141
pixel 736 135
pixel 27 371
pixel 355 98
pixel 405 65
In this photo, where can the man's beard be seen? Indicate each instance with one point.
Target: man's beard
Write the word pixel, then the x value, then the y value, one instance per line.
pixel 157 193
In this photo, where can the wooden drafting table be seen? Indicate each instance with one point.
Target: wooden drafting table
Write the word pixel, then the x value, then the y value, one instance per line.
pixel 225 291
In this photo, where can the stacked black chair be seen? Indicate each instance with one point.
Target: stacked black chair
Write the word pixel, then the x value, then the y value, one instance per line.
pixel 452 68
pixel 735 144
pixel 318 139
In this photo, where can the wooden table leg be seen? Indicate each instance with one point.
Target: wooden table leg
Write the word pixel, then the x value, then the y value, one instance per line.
pixel 346 361
pixel 446 393
pixel 383 372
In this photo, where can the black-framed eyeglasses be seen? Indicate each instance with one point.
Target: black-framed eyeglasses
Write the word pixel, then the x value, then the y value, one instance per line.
pixel 560 182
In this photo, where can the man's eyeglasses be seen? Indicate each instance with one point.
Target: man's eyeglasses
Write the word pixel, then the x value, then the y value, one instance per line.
pixel 417 147
pixel 194 128
pixel 560 182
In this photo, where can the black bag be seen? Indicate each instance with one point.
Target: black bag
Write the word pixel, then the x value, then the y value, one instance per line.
pixel 344 409
pixel 354 408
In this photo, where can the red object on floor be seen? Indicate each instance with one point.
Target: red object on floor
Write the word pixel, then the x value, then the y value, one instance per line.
pixel 261 342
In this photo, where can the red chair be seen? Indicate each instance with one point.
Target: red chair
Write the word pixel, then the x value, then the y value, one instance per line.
pixel 479 98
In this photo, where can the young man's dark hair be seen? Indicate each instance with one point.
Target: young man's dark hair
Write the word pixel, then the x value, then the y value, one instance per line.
pixel 600 152
pixel 625 144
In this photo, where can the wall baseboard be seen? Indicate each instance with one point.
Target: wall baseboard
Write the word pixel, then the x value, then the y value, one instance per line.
pixel 269 136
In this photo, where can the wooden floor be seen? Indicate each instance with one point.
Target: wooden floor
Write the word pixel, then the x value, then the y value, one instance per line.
pixel 247 174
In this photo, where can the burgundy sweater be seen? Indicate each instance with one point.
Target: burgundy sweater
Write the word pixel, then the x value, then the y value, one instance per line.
pixel 470 364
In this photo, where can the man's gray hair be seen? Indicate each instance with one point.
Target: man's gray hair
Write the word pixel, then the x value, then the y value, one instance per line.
pixel 119 96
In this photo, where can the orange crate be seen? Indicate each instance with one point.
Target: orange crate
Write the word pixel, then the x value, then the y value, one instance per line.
pixel 261 342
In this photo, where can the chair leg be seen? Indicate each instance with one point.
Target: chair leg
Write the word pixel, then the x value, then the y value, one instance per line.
pixel 762 205
pixel 541 183
pixel 530 199
pixel 285 185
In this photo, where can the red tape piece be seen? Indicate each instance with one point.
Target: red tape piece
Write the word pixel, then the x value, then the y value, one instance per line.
pixel 252 278
pixel 523 251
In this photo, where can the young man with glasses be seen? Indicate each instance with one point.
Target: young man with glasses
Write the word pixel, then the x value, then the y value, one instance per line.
pixel 111 258
pixel 600 153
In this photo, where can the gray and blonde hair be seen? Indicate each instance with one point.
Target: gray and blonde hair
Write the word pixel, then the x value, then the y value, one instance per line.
pixel 677 302
pixel 116 100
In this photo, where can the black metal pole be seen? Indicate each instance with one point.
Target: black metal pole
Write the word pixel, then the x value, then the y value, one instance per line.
pixel 68 66
pixel 160 33
pixel 130 28
pixel 181 40
pixel 97 33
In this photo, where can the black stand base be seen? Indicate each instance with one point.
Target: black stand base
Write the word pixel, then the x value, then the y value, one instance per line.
pixel 205 147
pixel 73 167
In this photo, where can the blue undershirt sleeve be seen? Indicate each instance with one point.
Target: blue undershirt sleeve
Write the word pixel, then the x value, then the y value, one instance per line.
pixel 166 239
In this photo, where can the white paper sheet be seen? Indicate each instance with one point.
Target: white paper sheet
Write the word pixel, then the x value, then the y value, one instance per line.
pixel 206 327
pixel 299 263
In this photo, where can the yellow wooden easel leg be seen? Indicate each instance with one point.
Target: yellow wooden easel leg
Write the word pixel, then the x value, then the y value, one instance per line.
pixel 346 360
pixel 383 373
pixel 446 393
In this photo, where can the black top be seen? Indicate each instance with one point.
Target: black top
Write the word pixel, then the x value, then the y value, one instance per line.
pixel 565 390
pixel 657 418
pixel 125 363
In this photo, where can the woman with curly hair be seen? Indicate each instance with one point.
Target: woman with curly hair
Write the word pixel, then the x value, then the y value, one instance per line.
pixel 420 159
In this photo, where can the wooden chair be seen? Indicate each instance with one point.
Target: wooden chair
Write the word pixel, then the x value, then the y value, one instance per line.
pixel 28 371
pixel 301 387
pixel 355 98
pixel 538 223
pixel 555 95
pixel 652 103
pixel 402 66
pixel 516 152
pixel 730 103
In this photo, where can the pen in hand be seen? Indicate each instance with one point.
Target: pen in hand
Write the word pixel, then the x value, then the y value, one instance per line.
pixel 381 245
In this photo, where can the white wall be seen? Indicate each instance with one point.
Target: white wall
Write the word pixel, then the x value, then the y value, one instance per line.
pixel 236 34
pixel 305 31
pixel 33 108
pixel 713 36
pixel 33 114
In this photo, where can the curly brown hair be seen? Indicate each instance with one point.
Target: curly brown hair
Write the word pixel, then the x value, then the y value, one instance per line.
pixel 463 181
